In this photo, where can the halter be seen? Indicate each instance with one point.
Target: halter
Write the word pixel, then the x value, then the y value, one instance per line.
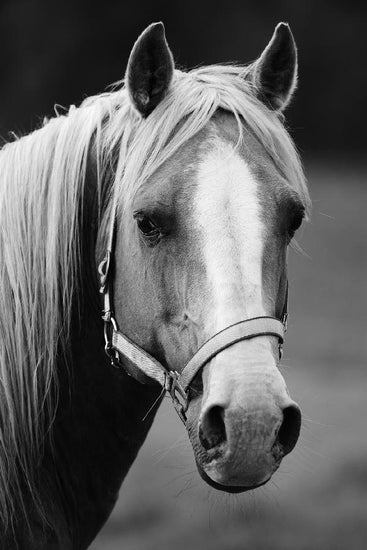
pixel 124 353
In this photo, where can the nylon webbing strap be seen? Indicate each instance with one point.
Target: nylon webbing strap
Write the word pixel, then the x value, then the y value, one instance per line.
pixel 140 359
pixel 244 330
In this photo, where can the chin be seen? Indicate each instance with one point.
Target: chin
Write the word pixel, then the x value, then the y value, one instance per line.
pixel 232 489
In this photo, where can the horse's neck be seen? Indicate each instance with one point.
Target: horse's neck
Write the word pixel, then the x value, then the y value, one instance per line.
pixel 98 430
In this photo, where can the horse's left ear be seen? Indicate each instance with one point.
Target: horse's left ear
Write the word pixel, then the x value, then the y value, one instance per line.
pixel 150 69
pixel 274 74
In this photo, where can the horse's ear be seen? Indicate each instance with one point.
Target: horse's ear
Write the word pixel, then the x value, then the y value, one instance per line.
pixel 274 74
pixel 150 69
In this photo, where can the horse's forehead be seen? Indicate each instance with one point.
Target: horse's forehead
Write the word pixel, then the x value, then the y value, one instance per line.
pixel 250 148
pixel 173 184
pixel 223 130
pixel 272 189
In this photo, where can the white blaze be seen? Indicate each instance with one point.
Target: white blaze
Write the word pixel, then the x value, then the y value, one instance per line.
pixel 228 213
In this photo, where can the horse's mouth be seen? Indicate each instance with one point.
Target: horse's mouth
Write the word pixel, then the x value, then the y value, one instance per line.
pixel 228 488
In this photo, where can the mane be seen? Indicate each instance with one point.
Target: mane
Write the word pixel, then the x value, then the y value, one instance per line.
pixel 41 198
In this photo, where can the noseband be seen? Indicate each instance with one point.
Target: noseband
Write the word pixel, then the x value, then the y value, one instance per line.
pixel 139 364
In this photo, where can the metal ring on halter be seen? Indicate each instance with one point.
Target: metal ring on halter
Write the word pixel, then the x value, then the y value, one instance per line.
pixel 173 387
pixel 109 326
pixel 103 271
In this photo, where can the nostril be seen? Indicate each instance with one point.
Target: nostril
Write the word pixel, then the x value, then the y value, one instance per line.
pixel 289 430
pixel 212 430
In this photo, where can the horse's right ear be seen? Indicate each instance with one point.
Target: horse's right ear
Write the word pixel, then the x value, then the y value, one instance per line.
pixel 149 70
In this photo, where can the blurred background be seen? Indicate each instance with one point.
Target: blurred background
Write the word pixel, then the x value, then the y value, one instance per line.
pixel 60 52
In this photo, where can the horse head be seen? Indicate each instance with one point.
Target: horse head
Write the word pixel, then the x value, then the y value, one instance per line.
pixel 185 189
pixel 201 244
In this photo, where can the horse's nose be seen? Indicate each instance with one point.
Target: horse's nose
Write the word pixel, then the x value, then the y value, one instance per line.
pixel 212 428
pixel 215 426
pixel 289 430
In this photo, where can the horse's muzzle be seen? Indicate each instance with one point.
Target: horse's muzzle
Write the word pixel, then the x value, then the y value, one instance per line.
pixel 242 425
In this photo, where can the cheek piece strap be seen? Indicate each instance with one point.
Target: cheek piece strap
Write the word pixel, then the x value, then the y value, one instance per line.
pixel 125 354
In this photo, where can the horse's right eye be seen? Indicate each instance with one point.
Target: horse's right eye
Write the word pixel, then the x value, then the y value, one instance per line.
pixel 147 227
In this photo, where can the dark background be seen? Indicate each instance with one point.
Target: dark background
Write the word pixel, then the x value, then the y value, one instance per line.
pixel 60 52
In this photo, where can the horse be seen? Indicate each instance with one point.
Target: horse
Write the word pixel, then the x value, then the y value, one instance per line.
pixel 169 202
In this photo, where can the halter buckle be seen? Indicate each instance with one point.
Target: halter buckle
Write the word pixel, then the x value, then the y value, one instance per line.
pixel 109 351
pixel 103 270
pixel 178 394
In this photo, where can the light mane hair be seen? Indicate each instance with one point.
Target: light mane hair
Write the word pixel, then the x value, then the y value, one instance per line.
pixel 42 180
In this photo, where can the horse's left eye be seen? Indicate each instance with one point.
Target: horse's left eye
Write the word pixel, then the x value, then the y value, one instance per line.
pixel 296 221
pixel 146 226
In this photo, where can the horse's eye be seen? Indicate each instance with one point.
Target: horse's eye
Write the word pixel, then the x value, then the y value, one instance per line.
pixel 296 220
pixel 146 226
